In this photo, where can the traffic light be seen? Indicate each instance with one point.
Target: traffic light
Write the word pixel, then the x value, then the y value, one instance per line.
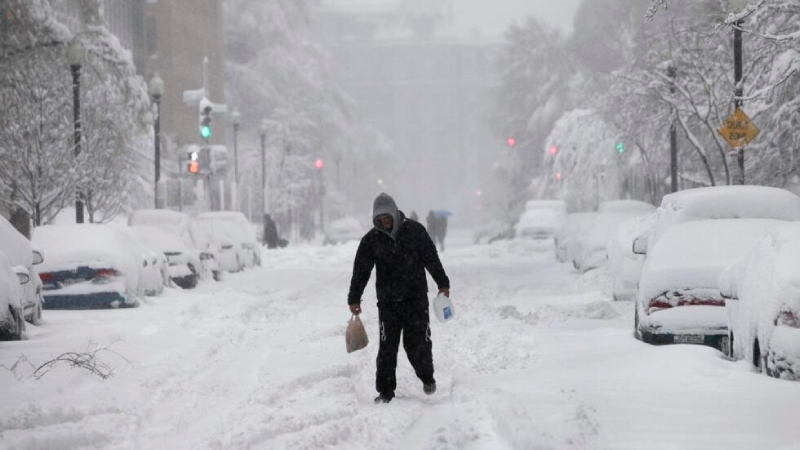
pixel 319 164
pixel 620 148
pixel 194 162
pixel 554 150
pixel 204 121
pixel 511 142
pixel 558 176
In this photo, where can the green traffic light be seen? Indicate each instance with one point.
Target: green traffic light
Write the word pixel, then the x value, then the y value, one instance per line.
pixel 620 147
pixel 205 131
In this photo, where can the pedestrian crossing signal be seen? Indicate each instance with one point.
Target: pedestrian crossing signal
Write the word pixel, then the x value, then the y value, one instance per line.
pixel 194 167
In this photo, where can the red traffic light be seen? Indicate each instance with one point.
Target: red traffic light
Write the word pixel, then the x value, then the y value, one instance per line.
pixel 553 150
pixel 558 176
pixel 511 142
pixel 319 164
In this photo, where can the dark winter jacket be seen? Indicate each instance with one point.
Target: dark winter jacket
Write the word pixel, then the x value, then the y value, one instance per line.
pixel 400 258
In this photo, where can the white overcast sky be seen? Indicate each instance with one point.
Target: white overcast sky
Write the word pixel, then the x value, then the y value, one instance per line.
pixel 492 17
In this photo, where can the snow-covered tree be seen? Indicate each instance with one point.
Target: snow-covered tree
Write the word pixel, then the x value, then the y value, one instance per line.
pixel 40 172
pixel 278 75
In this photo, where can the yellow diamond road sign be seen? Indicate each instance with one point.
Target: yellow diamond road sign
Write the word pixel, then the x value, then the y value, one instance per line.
pixel 738 130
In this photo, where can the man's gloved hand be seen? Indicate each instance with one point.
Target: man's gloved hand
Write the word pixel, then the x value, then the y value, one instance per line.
pixel 445 291
pixel 355 308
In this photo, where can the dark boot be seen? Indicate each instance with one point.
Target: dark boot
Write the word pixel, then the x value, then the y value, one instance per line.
pixel 383 398
pixel 429 388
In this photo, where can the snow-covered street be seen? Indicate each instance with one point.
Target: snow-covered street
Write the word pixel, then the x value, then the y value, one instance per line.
pixel 537 358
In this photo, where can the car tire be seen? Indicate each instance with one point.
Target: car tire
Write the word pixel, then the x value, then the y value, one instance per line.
pixel 758 360
pixel 730 344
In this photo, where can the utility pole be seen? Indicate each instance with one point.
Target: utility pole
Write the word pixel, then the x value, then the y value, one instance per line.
pixel 738 86
pixel 673 133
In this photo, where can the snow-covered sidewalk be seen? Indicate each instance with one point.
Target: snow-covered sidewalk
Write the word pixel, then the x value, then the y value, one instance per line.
pixel 537 358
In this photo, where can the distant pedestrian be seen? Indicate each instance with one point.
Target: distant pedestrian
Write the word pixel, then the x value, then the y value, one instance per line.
pixel 401 251
pixel 413 216
pixel 430 221
pixel 441 229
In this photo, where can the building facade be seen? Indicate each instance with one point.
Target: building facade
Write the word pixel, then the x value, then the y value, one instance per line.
pixel 426 89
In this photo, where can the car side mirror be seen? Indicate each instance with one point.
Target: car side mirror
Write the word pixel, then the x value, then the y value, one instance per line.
pixel 38 257
pixel 22 274
pixel 640 246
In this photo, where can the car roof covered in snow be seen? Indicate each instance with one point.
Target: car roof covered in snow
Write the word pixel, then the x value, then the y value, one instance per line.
pixel 625 206
pixel 558 205
pixel 729 202
pixel 158 239
pixel 692 255
pixel 70 246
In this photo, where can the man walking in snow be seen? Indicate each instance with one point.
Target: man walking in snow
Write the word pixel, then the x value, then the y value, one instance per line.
pixel 401 251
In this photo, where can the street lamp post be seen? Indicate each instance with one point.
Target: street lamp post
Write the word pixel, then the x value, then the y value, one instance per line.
pixel 236 119
pixel 76 56
pixel 156 89
pixel 270 232
pixel 736 6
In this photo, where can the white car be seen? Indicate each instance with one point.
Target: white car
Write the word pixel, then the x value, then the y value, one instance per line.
pixel 624 266
pixel 574 226
pixel 554 205
pixel 88 266
pixel 679 300
pixel 763 304
pixel 154 270
pixel 539 223
pixel 719 202
pixel 591 250
pixel 12 321
pixel 184 266
pixel 20 252
pixel 232 233
pixel 179 224
pixel 343 230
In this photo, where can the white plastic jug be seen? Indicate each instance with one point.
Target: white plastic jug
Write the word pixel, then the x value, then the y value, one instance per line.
pixel 443 307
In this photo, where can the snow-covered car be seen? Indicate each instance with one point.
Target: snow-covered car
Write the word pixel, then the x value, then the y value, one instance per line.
pixel 184 264
pixel 719 202
pixel 679 300
pixel 12 320
pixel 154 270
pixel 343 230
pixel 179 224
pixel 20 252
pixel 232 233
pixel 624 266
pixel 573 227
pixel 591 249
pixel 554 205
pixel 539 224
pixel 763 304
pixel 88 266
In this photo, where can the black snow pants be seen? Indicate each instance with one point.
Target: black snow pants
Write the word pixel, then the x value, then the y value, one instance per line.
pixel 411 318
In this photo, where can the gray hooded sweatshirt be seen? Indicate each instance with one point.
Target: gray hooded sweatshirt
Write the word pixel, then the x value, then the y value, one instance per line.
pixel 384 204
